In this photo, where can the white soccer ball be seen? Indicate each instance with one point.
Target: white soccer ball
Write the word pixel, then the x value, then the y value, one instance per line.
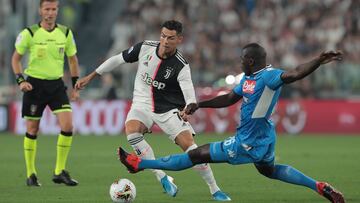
pixel 122 191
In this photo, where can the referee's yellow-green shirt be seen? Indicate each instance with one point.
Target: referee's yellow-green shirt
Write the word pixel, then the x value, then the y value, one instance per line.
pixel 46 50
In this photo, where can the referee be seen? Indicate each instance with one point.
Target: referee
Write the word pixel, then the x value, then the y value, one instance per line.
pixel 47 43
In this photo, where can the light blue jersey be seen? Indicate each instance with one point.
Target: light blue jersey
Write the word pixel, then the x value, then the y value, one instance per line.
pixel 254 141
pixel 260 92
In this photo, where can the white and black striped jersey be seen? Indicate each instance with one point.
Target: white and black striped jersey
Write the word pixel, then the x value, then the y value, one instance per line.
pixel 161 84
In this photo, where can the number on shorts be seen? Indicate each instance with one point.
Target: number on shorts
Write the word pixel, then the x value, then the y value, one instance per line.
pixel 229 141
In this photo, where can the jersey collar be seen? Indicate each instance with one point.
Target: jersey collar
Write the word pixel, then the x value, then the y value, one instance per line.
pixel 56 25
pixel 267 66
pixel 259 71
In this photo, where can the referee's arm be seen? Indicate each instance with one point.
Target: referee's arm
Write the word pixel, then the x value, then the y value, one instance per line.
pixel 16 63
pixel 74 71
pixel 17 69
pixel 74 66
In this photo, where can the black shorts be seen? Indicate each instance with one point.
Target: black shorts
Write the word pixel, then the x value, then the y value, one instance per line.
pixel 44 92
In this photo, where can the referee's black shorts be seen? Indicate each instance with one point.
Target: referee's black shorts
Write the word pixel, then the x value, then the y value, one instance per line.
pixel 50 93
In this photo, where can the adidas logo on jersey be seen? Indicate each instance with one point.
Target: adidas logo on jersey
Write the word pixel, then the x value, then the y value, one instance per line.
pixel 148 80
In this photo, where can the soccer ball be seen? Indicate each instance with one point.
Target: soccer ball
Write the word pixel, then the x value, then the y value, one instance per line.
pixel 122 191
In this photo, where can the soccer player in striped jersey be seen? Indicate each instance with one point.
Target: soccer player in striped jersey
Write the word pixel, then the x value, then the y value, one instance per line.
pixel 254 141
pixel 163 87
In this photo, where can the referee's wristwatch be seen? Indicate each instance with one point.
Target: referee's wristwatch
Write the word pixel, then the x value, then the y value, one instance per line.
pixel 20 78
pixel 74 79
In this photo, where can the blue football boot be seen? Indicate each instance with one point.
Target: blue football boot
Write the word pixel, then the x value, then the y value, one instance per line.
pixel 169 186
pixel 221 196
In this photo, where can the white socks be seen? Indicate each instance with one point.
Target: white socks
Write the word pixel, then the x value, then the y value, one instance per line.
pixel 144 150
pixel 205 172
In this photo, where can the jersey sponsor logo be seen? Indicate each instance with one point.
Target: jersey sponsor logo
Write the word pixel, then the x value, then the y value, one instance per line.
pixel 148 80
pixel 249 86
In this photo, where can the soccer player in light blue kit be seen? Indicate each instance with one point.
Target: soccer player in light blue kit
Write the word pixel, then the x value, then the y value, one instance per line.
pixel 254 141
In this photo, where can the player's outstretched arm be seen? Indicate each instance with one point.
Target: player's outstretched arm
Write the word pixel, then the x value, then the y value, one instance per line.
pixel 305 69
pixel 105 67
pixel 216 102
pixel 81 83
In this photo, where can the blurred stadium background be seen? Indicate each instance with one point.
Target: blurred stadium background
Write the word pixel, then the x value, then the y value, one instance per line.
pixel 292 32
pixel 326 103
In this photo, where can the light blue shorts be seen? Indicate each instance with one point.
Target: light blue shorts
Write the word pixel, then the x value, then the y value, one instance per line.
pixel 234 152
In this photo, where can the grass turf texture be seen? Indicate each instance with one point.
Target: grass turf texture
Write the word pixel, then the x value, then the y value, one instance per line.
pixel 93 162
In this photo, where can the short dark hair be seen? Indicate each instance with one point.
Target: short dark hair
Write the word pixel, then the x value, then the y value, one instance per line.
pixel 254 50
pixel 42 1
pixel 173 25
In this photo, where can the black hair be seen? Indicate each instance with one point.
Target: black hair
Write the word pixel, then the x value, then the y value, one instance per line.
pixel 254 50
pixel 173 25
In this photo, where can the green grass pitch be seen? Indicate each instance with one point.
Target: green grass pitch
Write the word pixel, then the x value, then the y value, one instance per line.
pixel 93 162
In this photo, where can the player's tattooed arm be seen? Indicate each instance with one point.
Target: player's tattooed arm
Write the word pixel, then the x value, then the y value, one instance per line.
pixel 216 102
pixel 305 69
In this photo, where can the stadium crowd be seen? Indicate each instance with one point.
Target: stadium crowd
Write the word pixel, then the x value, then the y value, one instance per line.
pixel 215 31
pixel 292 31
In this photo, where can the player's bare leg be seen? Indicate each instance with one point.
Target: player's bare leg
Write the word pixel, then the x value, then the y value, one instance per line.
pixel 61 175
pixel 135 135
pixel 30 146
pixel 186 142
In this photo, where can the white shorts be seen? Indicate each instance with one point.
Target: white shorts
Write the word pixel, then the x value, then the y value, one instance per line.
pixel 169 122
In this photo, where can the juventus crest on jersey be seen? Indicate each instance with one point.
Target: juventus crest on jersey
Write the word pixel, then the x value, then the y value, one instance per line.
pixel 159 82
